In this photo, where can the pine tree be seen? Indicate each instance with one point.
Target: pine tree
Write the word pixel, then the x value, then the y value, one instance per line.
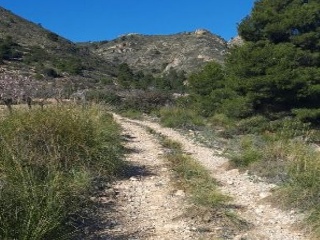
pixel 294 21
pixel 125 75
pixel 278 67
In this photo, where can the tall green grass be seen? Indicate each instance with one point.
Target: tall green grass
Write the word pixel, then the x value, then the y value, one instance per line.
pixel 49 160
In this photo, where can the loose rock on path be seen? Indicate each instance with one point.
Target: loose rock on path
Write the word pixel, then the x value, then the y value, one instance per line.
pixel 147 206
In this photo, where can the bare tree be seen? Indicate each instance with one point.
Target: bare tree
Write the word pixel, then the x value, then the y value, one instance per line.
pixel 17 89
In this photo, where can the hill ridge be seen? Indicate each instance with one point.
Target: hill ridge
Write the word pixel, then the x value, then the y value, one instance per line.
pixel 184 51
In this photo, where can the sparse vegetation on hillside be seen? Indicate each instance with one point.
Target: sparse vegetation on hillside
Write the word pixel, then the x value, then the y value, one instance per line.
pixel 9 50
pixel 173 81
pixel 30 49
pixel 156 54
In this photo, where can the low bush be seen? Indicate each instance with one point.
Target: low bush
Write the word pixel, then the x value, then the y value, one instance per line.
pixel 36 54
pixel 247 153
pixel 9 50
pixel 132 113
pixel 103 96
pixel 220 120
pixel 238 107
pixel 266 147
pixel 48 161
pixel 52 36
pixel 70 65
pixel 307 115
pixel 289 128
pixel 144 101
pixel 252 125
pixel 50 72
pixel 180 118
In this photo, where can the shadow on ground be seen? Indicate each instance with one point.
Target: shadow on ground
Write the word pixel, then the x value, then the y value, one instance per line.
pixel 97 221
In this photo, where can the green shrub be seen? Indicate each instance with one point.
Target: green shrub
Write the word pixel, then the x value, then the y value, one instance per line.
pixel 254 124
pixel 70 65
pixel 288 128
pixel 106 81
pixel 307 115
pixel 132 113
pixel 282 154
pixel 180 118
pixel 247 153
pixel 9 49
pixel 36 54
pixel 304 175
pixel 300 169
pixel 52 36
pixel 237 107
pixel 50 72
pixel 48 161
pixel 302 184
pixel 145 101
pixel 103 96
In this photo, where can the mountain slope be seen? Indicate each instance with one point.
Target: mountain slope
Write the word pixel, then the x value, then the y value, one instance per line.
pixel 29 49
pixel 186 51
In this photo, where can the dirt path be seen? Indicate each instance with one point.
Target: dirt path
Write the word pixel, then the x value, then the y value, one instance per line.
pixel 150 208
pixel 146 204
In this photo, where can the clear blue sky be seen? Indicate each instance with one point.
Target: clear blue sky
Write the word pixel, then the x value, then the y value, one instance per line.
pixel 95 20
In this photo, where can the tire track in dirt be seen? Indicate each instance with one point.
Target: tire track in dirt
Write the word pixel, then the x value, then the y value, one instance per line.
pixel 146 205
pixel 269 222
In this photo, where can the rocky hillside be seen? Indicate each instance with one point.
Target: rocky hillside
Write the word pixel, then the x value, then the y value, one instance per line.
pixel 28 49
pixel 186 51
pixel 236 41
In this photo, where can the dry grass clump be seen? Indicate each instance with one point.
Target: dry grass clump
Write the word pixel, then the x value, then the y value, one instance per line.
pixel 284 155
pixel 48 161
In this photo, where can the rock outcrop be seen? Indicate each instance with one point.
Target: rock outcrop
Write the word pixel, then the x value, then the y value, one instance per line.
pixel 157 54
pixel 236 41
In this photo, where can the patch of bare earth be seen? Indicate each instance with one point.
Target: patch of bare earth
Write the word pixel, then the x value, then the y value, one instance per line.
pixel 147 206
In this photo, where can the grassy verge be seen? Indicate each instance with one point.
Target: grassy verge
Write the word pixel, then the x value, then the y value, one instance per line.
pixel 282 152
pixel 209 204
pixel 49 160
pixel 193 178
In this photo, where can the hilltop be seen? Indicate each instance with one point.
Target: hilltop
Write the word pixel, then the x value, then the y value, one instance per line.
pixel 187 51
